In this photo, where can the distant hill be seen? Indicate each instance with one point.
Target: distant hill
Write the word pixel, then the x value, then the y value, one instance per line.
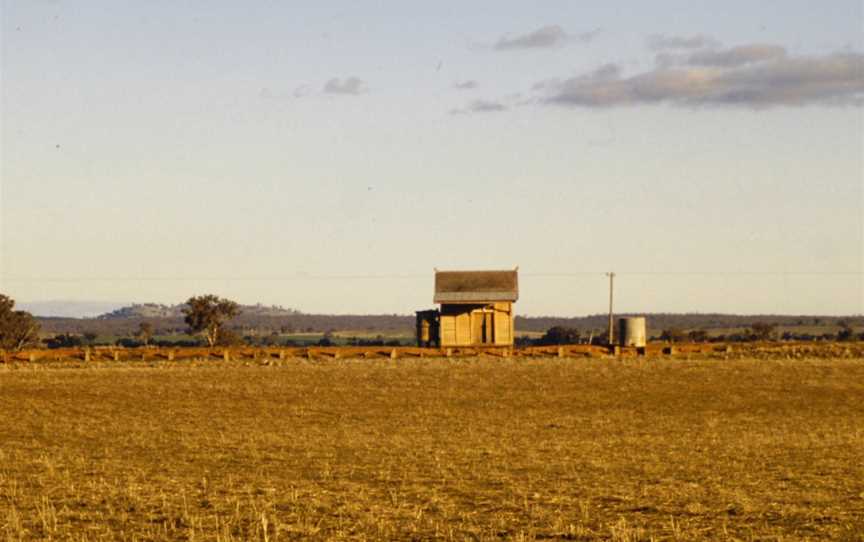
pixel 158 310
pixel 69 309
pixel 145 310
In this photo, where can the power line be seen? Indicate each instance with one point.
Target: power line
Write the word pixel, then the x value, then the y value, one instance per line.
pixel 303 276
pixel 213 279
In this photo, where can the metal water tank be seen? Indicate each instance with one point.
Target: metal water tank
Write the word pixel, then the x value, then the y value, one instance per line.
pixel 631 331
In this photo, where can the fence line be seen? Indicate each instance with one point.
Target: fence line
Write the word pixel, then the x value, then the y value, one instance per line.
pixel 114 353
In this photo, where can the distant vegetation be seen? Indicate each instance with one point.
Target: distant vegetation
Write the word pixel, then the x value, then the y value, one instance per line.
pixel 722 323
pixel 274 325
pixel 841 330
pixel 208 314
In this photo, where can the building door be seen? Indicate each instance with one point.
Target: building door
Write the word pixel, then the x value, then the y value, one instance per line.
pixel 482 327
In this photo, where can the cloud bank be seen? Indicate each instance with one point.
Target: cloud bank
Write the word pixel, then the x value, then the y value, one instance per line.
pixel 755 76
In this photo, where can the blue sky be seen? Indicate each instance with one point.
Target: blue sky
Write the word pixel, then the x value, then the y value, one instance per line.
pixel 329 157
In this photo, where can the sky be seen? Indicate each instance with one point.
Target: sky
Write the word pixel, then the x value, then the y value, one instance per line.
pixel 329 157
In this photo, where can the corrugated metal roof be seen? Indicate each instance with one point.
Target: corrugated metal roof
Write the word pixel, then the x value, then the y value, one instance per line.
pixel 476 286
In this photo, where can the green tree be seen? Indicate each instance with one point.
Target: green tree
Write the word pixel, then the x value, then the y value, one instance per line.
pixel 229 337
pixel 763 331
pixel 846 332
pixel 145 332
pixel 64 340
pixel 207 314
pixel 18 329
pixel 560 335
pixel 673 335
pixel 698 335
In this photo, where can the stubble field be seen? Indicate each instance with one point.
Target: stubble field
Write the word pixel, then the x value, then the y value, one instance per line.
pixel 468 449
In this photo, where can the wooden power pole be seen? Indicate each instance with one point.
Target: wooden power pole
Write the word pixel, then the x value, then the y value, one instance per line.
pixel 611 327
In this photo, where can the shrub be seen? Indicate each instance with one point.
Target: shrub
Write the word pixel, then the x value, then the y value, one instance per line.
pixel 560 335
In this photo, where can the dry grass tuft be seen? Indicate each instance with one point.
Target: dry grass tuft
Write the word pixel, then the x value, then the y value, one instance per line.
pixel 473 449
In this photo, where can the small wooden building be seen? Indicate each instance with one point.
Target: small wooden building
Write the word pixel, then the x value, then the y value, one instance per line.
pixel 476 309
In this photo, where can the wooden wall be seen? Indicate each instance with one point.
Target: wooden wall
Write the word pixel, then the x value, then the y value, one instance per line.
pixel 504 332
pixel 465 325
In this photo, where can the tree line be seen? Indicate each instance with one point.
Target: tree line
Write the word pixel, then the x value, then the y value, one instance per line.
pixel 757 331
pixel 209 319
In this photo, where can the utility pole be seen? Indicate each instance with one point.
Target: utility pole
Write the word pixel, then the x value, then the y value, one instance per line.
pixel 611 276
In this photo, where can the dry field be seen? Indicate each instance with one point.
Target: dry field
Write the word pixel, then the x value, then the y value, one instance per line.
pixel 465 449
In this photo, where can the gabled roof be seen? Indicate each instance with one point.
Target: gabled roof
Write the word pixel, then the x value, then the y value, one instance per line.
pixel 476 286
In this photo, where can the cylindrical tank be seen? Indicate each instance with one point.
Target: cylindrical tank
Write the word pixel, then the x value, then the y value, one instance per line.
pixel 631 331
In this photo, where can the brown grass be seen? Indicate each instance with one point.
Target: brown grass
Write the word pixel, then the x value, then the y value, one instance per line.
pixel 472 449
